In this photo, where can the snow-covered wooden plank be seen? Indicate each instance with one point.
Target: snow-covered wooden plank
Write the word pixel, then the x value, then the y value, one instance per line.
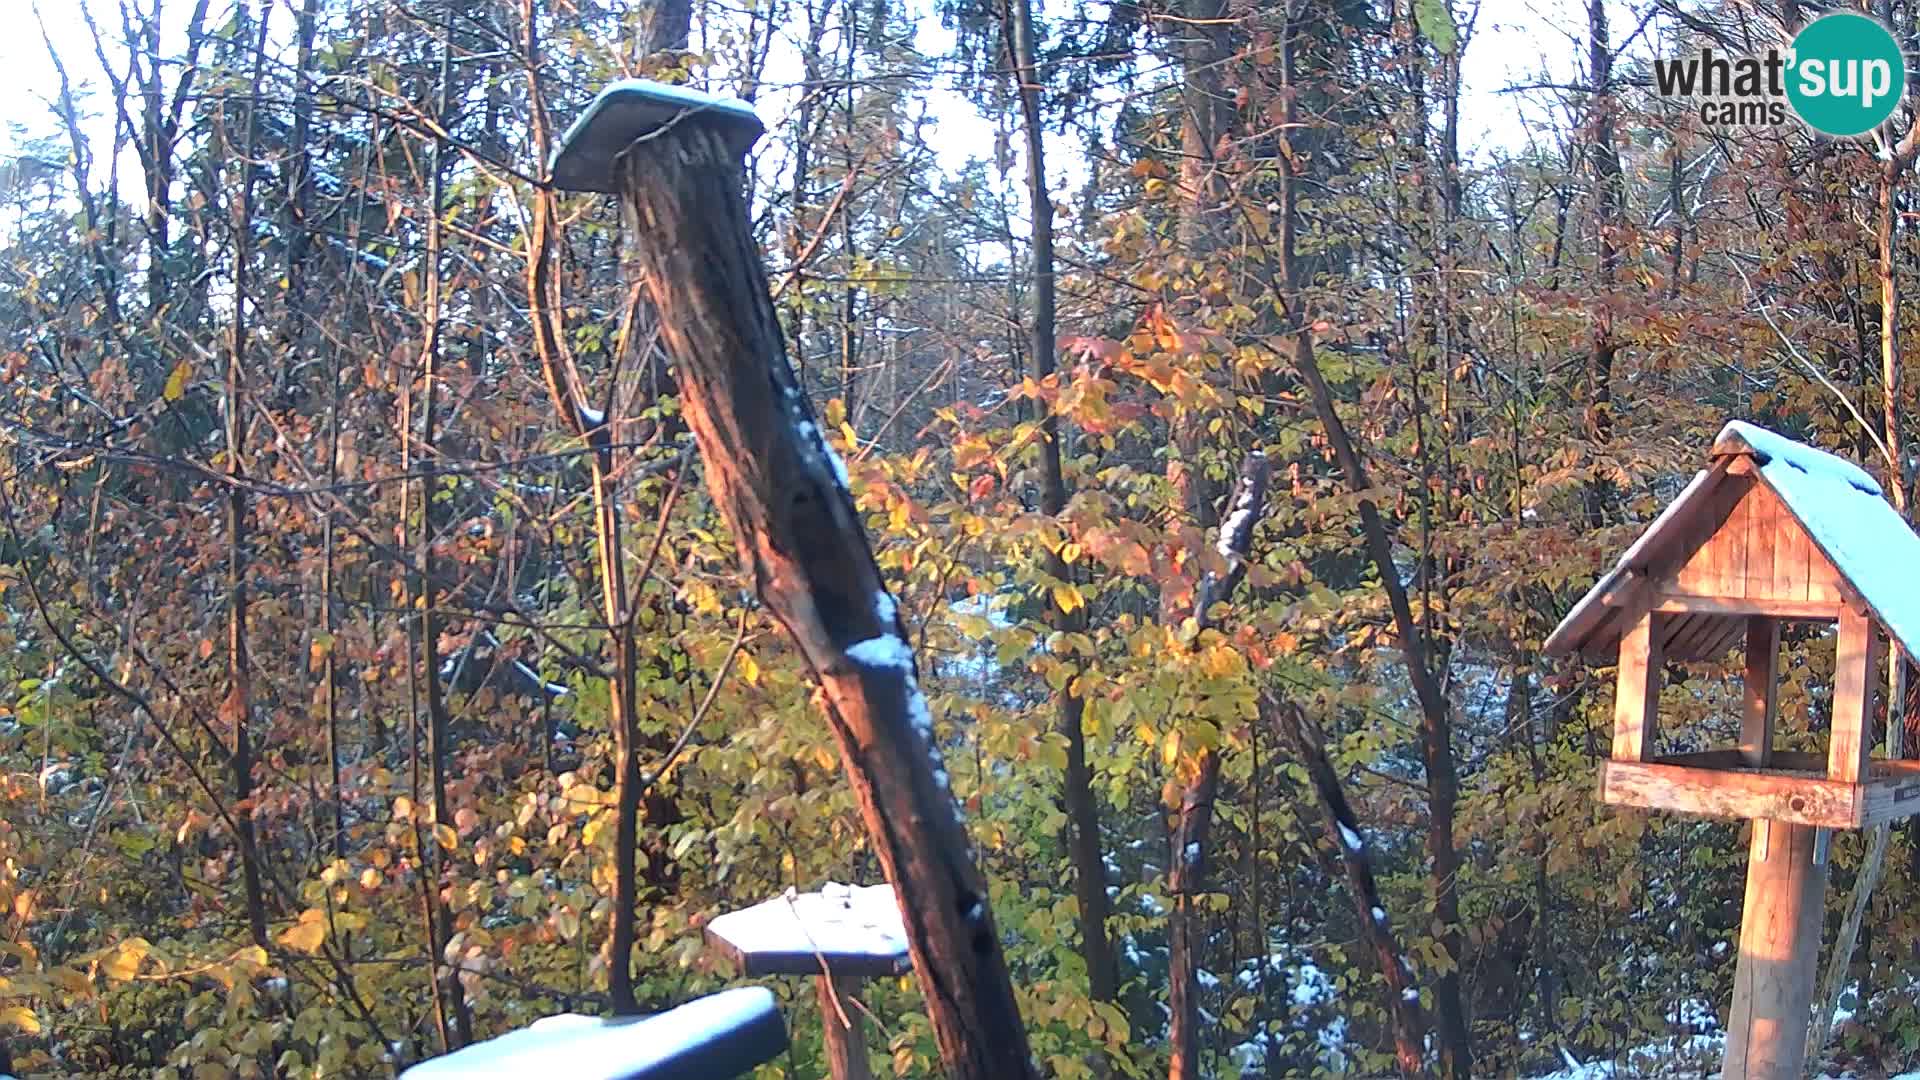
pixel 715 1037
pixel 855 930
pixel 584 160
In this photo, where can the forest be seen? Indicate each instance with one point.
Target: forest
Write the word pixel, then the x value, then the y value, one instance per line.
pixel 1229 419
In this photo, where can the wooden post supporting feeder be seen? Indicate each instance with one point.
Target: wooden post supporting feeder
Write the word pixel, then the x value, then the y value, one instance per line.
pixel 840 935
pixel 1771 531
pixel 674 158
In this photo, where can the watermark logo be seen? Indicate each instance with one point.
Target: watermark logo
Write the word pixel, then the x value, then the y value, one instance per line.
pixel 1843 75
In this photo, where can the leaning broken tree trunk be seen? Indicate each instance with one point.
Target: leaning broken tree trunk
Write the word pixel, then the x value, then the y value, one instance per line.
pixel 1186 880
pixel 782 491
pixel 1376 930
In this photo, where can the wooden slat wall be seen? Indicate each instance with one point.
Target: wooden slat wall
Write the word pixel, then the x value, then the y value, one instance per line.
pixel 1750 547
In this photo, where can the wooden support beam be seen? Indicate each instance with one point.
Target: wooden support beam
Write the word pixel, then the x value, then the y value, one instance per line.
pixel 846 1043
pixel 782 492
pixel 1848 747
pixel 1636 699
pixel 1756 715
pixel 1779 944
pixel 1677 604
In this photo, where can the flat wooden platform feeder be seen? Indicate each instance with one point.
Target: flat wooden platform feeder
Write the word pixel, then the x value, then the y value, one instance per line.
pixel 840 936
pixel 1772 531
pixel 850 929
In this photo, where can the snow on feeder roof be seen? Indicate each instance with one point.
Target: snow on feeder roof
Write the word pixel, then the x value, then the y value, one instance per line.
pixel 1770 523
pixel 633 109
pixel 721 1035
pixel 856 929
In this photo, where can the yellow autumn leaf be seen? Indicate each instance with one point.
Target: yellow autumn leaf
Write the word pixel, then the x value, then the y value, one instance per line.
pixel 749 668
pixel 1068 598
pixel 20 1017
pixel 124 961
pixel 177 381
pixel 1170 748
pixel 403 809
pixel 446 837
pixel 307 934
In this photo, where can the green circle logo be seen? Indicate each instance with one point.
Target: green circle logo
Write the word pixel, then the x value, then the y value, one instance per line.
pixel 1846 74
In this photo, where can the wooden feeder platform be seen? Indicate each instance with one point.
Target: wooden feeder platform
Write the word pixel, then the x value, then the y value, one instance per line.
pixel 846 929
pixel 1792 788
pixel 840 936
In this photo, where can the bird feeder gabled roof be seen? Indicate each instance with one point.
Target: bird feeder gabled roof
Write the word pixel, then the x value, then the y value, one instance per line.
pixel 1770 524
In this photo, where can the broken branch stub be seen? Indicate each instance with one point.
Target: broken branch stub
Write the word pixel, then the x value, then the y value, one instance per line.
pixel 782 492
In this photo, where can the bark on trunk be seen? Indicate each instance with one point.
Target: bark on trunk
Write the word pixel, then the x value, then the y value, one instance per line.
pixel 440 921
pixel 1608 198
pixel 779 488
pixel 1436 725
pixel 1082 806
pixel 1200 38
pixel 1343 829
pixel 239 701
pixel 1188 858
pixel 570 404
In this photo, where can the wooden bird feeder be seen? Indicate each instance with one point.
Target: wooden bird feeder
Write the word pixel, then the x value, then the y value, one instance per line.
pixel 720 1035
pixel 1772 531
pixel 840 936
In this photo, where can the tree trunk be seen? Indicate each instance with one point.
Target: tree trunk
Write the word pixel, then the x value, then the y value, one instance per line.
pixel 1436 726
pixel 239 701
pixel 1343 829
pixel 778 487
pixel 1608 198
pixel 1186 879
pixel 1082 805
pixel 594 427
pixel 440 919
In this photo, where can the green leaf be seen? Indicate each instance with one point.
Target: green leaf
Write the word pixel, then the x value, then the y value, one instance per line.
pixel 1435 19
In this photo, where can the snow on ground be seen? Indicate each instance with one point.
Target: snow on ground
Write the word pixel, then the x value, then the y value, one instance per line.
pixel 1695 1057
